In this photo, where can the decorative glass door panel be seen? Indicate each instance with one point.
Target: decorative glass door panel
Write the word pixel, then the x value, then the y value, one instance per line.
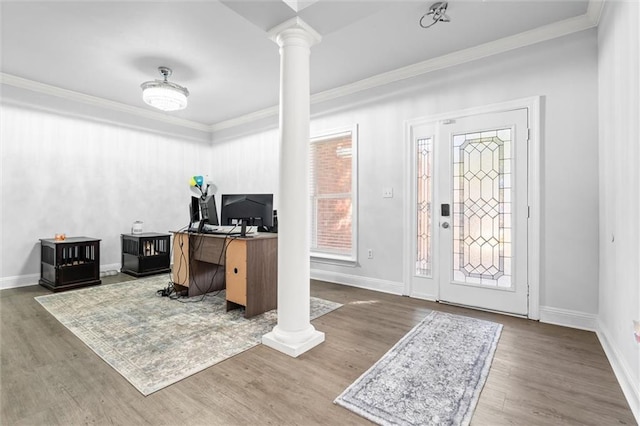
pixel 424 150
pixel 481 218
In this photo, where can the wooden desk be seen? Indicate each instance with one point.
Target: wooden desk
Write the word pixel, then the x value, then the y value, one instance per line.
pixel 246 267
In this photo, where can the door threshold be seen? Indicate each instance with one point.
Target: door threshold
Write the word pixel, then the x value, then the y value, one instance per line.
pixel 477 308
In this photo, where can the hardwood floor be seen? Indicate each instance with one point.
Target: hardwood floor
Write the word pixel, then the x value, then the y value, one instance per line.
pixel 541 374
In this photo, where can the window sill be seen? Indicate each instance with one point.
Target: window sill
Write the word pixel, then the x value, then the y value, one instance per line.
pixel 333 259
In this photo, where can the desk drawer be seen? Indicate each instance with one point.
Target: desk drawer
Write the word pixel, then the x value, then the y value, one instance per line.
pixel 236 272
pixel 207 248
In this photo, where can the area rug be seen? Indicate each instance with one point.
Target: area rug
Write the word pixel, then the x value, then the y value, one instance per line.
pixel 432 376
pixel 153 341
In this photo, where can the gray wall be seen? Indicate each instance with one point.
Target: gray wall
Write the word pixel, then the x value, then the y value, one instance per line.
pixel 89 173
pixel 84 177
pixel 88 177
pixel 563 71
pixel 619 68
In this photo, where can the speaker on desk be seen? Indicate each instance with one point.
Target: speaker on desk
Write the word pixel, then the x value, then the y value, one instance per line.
pixel 274 228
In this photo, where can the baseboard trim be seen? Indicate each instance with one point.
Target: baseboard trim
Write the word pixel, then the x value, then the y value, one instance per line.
pixel 630 388
pixel 19 281
pixel 110 269
pixel 568 318
pixel 32 279
pixel 368 283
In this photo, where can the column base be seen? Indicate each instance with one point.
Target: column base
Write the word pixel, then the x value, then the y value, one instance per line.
pixel 278 340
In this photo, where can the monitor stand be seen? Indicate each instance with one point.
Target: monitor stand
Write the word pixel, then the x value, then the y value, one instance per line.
pixel 243 229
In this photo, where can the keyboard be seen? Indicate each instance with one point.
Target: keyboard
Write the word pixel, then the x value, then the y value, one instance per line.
pixel 221 230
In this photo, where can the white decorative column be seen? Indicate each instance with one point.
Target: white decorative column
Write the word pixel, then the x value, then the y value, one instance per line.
pixel 294 333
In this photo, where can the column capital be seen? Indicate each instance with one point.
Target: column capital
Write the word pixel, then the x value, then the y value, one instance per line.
pixel 294 27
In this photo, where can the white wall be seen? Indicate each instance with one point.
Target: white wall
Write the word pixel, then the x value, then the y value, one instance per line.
pixel 563 71
pixel 619 74
pixel 95 178
pixel 247 164
pixel 65 174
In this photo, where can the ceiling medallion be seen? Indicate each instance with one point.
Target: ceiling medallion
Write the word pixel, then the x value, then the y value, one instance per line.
pixel 437 12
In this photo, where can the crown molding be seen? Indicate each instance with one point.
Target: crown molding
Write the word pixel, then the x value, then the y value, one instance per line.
pixel 298 5
pixel 47 89
pixel 297 25
pixel 594 11
pixel 548 32
pixel 527 38
pixel 245 119
pixel 204 137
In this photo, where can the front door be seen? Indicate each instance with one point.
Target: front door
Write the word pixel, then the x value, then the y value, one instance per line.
pixel 470 194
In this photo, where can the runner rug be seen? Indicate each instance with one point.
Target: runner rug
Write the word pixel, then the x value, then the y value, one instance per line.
pixel 154 341
pixel 432 376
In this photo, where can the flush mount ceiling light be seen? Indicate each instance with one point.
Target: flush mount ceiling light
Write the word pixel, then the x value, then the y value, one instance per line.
pixel 163 94
pixel 437 12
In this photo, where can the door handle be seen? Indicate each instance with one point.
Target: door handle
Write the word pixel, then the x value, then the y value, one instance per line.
pixel 445 225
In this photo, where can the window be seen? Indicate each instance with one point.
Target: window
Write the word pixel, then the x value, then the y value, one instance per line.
pixel 424 153
pixel 333 190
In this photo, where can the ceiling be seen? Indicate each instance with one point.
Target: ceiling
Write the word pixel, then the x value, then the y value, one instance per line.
pixel 221 52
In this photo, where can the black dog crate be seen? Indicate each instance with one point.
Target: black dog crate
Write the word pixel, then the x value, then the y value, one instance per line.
pixel 69 263
pixel 145 254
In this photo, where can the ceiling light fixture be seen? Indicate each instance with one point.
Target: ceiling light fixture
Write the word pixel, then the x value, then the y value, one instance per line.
pixel 163 94
pixel 437 11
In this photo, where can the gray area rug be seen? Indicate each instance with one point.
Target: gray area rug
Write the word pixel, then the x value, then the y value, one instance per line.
pixel 432 376
pixel 154 341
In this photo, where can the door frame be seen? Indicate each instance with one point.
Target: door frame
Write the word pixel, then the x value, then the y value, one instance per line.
pixel 532 104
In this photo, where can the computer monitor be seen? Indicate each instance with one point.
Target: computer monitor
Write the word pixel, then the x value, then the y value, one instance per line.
pixel 208 210
pixel 204 209
pixel 247 210
pixel 194 210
